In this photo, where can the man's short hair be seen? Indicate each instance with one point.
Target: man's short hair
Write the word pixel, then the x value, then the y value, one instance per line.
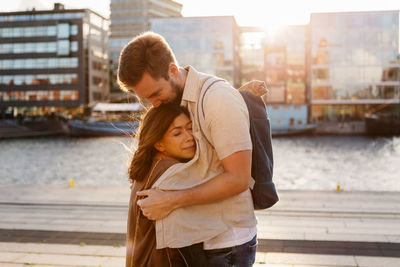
pixel 147 52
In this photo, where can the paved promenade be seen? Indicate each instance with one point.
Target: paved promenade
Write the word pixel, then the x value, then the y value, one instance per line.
pixel 85 226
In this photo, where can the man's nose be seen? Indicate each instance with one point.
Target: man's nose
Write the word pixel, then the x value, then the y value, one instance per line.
pixel 145 103
pixel 155 103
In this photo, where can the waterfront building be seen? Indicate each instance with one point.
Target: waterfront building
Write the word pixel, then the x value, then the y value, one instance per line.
pixel 285 65
pixel 252 44
pixel 129 18
pixel 210 44
pixel 52 60
pixel 285 70
pixel 280 59
pixel 354 64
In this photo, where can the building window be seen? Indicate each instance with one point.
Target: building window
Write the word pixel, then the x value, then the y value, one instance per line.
pixel 97 81
pixel 321 75
pixel 86 30
pixel 97 96
pixel 63 47
pixel 63 31
pixel 40 95
pixel 74 29
pixel 17 32
pixel 96 20
pixel 98 65
pixel 39 63
pixel 55 16
pixel 39 79
pixel 39 47
pixel 74 46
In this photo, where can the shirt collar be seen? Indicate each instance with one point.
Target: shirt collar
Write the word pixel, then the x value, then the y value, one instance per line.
pixel 193 85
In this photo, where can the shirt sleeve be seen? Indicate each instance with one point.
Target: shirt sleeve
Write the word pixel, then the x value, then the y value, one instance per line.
pixel 227 120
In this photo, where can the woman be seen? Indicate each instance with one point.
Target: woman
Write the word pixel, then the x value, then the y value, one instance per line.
pixel 165 138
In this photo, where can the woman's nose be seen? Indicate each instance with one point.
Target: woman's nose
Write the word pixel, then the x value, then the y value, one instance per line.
pixel 188 135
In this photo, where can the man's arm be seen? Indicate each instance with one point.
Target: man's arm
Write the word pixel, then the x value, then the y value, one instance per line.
pixel 228 125
pixel 234 180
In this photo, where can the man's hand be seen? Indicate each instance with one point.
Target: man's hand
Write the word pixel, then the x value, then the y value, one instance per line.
pixel 257 88
pixel 157 204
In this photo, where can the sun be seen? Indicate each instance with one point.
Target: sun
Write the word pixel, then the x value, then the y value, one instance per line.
pixel 274 17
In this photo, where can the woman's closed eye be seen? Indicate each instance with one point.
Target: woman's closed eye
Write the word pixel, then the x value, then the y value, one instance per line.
pixel 177 133
pixel 189 126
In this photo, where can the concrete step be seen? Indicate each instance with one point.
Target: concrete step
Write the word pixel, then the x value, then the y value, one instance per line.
pixel 23 254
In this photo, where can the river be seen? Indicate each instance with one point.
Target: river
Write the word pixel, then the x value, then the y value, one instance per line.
pixel 301 163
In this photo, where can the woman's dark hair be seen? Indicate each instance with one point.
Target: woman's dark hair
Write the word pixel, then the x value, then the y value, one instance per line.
pixel 153 126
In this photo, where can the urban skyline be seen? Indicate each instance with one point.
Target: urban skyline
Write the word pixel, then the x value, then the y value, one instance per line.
pixel 340 66
pixel 247 13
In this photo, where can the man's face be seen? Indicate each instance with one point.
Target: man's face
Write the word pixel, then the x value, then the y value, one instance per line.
pixel 159 91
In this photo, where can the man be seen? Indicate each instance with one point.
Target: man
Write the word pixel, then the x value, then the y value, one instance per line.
pixel 221 171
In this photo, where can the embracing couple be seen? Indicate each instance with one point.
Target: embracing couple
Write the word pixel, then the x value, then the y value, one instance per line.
pixel 190 203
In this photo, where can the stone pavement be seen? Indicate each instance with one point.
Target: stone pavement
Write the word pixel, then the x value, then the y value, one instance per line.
pixel 85 226
pixel 23 254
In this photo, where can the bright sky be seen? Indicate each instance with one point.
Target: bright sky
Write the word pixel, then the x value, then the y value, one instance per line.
pixel 247 12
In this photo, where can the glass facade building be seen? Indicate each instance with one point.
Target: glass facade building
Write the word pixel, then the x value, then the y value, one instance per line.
pixel 280 59
pixel 52 59
pixel 342 65
pixel 252 42
pixel 129 18
pixel 196 41
pixel 354 64
pixel 285 65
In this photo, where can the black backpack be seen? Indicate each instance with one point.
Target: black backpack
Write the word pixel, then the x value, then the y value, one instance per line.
pixel 264 192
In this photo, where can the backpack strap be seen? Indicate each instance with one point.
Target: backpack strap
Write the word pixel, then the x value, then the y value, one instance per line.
pixel 200 106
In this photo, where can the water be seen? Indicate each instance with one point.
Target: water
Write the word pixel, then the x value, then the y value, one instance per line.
pixel 304 163
pixel 322 163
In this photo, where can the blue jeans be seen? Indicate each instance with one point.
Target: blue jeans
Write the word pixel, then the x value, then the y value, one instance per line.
pixel 194 255
pixel 239 256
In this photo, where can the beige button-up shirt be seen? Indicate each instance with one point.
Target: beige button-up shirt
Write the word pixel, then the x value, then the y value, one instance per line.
pixel 227 125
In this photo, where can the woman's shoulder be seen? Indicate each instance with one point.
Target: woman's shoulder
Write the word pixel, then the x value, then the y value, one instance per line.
pixel 161 164
pixel 165 162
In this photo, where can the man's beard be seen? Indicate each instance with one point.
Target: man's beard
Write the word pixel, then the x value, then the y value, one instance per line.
pixel 176 100
pixel 178 90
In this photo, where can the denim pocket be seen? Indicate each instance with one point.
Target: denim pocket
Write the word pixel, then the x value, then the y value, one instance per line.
pixel 252 253
pixel 222 258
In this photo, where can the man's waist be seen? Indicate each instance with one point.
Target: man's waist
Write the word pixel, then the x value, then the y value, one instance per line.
pixel 199 223
pixel 235 236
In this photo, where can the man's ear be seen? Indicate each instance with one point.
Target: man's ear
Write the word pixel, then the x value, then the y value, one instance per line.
pixel 159 146
pixel 173 70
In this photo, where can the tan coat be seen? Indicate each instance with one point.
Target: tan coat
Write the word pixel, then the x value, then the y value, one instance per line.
pixel 145 254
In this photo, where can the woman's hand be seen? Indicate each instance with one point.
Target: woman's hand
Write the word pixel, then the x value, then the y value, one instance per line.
pixel 156 203
pixel 257 88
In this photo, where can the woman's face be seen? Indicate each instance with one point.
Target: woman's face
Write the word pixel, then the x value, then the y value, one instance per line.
pixel 178 141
